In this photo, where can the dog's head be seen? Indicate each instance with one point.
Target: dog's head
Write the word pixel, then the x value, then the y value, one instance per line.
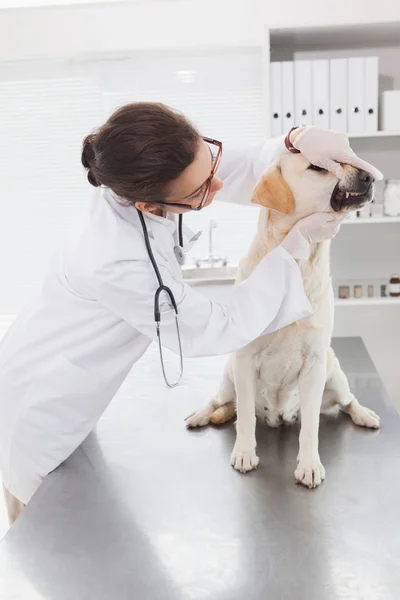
pixel 292 186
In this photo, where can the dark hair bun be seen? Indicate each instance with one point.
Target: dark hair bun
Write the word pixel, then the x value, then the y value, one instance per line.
pixel 92 179
pixel 88 158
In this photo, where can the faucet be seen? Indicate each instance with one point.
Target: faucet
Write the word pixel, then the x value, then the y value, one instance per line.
pixel 211 260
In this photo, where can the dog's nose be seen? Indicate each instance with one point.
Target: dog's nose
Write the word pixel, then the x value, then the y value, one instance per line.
pixel 365 177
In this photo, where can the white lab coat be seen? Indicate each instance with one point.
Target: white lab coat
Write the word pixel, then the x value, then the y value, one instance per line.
pixel 66 356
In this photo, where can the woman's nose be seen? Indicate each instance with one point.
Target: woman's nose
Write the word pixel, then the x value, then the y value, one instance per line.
pixel 216 184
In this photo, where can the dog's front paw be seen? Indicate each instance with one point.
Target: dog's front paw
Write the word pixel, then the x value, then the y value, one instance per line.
pixel 244 457
pixel 310 473
pixel 200 418
pixel 363 416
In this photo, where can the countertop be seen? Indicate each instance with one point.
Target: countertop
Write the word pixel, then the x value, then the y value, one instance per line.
pixel 148 510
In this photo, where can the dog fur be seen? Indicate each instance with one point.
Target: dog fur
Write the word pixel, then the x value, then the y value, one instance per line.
pixel 294 370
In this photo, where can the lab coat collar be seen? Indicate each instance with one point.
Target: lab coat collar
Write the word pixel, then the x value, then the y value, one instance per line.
pixel 159 228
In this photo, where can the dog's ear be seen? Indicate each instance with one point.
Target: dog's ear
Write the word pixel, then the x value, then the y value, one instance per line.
pixel 273 192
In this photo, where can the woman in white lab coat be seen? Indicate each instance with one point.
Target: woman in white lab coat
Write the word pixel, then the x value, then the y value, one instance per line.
pixel 65 357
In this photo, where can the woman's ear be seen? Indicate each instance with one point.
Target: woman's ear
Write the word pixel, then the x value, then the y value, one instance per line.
pixel 273 192
pixel 146 207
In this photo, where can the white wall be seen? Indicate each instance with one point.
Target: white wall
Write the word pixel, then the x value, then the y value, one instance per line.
pixel 118 26
pixel 39 3
pixel 308 13
pixel 77 30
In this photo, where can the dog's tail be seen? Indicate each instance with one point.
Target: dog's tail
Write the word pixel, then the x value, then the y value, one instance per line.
pixel 223 414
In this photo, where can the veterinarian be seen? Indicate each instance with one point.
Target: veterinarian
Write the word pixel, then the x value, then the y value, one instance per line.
pixel 64 359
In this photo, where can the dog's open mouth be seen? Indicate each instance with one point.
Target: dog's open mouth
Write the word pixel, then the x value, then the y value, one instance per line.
pixel 346 200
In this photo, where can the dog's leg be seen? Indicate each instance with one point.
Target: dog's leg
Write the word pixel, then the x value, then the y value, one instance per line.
pixel 244 457
pixel 222 407
pixel 310 471
pixel 337 391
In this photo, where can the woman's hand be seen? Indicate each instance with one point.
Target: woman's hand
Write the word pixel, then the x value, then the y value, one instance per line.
pixel 313 229
pixel 329 150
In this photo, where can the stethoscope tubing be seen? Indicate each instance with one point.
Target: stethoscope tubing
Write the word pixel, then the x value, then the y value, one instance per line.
pixel 163 288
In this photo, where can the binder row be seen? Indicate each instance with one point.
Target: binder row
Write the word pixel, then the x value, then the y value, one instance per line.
pixel 340 94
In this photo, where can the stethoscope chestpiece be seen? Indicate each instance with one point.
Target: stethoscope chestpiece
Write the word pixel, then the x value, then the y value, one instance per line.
pixel 179 255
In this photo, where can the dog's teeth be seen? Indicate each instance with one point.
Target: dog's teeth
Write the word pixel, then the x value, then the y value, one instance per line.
pixel 347 195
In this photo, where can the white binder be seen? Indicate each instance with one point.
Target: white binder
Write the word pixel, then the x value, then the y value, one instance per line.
pixel 276 99
pixel 356 95
pixel 371 93
pixel 320 93
pixel 338 94
pixel 302 92
pixel 288 96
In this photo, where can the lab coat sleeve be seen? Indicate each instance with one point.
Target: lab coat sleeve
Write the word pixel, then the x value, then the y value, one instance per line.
pixel 241 168
pixel 272 297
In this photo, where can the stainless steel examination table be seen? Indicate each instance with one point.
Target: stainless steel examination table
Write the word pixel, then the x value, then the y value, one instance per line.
pixel 145 509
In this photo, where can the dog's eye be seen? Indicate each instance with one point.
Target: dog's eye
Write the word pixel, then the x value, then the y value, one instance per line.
pixel 315 168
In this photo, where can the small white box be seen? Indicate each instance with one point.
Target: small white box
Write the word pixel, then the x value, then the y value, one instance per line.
pixel 390 110
pixel 365 212
pixel 376 210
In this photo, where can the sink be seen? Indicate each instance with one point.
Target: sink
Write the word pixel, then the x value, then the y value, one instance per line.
pixel 207 275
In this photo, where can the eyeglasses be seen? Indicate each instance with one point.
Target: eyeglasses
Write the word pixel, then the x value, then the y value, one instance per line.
pixel 216 153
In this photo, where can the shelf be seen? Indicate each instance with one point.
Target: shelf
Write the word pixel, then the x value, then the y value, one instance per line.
pixel 334 37
pixel 366 301
pixel 375 134
pixel 372 220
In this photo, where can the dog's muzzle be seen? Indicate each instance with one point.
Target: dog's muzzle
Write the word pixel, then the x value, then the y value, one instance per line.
pixel 353 194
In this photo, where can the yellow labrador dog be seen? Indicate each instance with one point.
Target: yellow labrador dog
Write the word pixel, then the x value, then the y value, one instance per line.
pixel 293 370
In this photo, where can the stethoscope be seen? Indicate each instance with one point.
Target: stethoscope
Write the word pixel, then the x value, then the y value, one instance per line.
pixel 180 257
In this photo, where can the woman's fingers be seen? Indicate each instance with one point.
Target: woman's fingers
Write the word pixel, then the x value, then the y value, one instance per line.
pixel 359 163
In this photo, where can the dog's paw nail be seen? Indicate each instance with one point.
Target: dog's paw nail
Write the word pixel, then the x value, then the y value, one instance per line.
pixel 310 473
pixel 244 460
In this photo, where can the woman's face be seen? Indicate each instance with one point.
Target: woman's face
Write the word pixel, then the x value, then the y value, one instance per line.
pixel 189 188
